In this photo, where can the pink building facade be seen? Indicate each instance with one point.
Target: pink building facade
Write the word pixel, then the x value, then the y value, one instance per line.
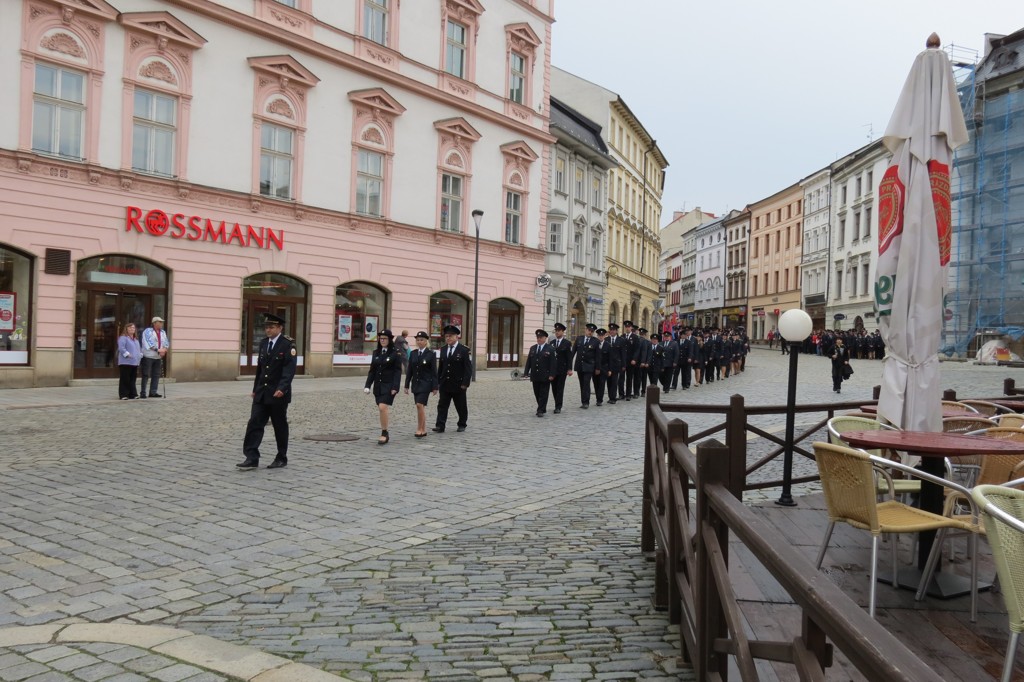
pixel 209 162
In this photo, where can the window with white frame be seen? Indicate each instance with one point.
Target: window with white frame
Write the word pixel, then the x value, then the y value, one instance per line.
pixel 577 248
pixel 865 278
pixel 451 202
pixel 455 50
pixel 375 21
pixel 580 176
pixel 58 112
pixel 595 191
pixel 153 132
pixel 867 221
pixel 289 3
pixel 517 78
pixel 560 174
pixel 513 216
pixel 276 159
pixel 555 238
pixel 370 183
pixel 595 253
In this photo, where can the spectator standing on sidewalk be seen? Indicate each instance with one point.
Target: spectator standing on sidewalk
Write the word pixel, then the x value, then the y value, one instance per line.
pixel 129 353
pixel 155 343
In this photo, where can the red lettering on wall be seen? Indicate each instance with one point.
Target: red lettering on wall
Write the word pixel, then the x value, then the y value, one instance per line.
pixel 157 223
pixel 132 219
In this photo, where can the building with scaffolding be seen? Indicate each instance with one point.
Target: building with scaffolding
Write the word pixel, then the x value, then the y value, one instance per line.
pixel 985 292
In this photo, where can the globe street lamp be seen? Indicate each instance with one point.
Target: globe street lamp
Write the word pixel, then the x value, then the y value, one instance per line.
pixel 795 326
pixel 478 215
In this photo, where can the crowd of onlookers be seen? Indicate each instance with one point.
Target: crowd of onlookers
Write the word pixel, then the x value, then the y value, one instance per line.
pixel 861 344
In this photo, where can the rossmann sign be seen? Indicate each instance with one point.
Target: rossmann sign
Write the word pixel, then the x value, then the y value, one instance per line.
pixel 196 228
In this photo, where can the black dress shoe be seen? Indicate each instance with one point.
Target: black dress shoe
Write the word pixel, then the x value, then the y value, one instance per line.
pixel 249 464
pixel 438 429
pixel 584 407
pixel 612 402
pixel 155 395
pixel 143 396
pixel 278 463
pixel 600 404
pixel 460 429
pixel 558 410
pixel 540 413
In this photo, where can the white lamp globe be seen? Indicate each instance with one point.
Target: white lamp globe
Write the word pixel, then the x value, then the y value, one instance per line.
pixel 795 325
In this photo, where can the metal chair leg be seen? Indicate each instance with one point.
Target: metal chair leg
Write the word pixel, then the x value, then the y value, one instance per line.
pixel 929 567
pixel 874 567
pixel 894 540
pixel 973 544
pixel 1011 654
pixel 824 543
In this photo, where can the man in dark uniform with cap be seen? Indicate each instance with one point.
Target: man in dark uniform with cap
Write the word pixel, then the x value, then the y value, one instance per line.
pixel 614 368
pixel 687 353
pixel 603 359
pixel 454 372
pixel 563 351
pixel 628 381
pixel 587 362
pixel 271 394
pixel 541 365
pixel 643 363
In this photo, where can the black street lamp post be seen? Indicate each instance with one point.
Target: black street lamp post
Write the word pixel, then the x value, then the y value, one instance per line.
pixel 795 326
pixel 478 215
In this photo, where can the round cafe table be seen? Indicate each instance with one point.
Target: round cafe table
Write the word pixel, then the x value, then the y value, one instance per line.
pixel 933 448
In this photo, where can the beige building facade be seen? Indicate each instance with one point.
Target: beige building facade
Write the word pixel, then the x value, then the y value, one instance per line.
pixel 776 236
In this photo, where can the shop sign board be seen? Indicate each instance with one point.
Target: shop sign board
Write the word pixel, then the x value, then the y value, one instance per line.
pixel 195 228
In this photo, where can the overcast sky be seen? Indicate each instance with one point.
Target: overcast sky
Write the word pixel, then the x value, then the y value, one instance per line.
pixel 747 97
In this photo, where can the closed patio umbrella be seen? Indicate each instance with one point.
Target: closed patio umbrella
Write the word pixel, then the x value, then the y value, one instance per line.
pixel 914 239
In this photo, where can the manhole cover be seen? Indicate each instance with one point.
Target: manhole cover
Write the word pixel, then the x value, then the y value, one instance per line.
pixel 334 437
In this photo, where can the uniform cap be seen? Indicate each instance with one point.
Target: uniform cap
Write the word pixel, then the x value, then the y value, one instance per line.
pixel 591 327
pixel 268 318
pixel 627 323
pixel 642 330
pixel 422 335
pixel 540 332
pixel 613 326
pixel 559 327
pixel 602 332
pixel 388 333
pixel 452 329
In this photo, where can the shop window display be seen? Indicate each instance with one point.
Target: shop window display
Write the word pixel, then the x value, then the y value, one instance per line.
pixel 361 311
pixel 15 307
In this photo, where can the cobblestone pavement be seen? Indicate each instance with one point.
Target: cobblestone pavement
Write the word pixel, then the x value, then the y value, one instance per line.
pixel 509 551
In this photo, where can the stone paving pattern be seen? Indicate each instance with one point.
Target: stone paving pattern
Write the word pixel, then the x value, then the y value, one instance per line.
pixel 509 551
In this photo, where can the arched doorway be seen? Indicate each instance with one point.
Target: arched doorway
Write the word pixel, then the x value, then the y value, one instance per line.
pixel 504 333
pixel 613 313
pixel 360 309
pixel 577 319
pixel 858 323
pixel 110 291
pixel 448 307
pixel 645 320
pixel 277 294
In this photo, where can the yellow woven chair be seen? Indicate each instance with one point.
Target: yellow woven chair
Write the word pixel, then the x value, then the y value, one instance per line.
pixel 986 408
pixel 1002 512
pixel 966 424
pixel 1010 420
pixel 848 481
pixel 957 405
pixel 840 424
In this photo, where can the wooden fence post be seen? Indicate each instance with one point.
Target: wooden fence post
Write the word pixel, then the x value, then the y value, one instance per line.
pixel 670 557
pixel 876 392
pixel 1009 387
pixel 646 530
pixel 949 394
pixel 712 467
pixel 736 441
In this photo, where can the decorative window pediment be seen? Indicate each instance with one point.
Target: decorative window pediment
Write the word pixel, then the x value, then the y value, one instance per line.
pixel 519 150
pixel 285 68
pixel 378 100
pixel 463 9
pixel 457 128
pixel 98 9
pixel 522 38
pixel 580 225
pixel 164 27
pixel 597 229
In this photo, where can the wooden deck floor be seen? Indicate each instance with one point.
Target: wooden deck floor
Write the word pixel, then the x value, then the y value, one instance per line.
pixel 940 632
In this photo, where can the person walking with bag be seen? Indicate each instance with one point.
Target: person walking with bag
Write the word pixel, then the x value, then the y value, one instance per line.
pixel 841 369
pixel 384 379
pixel 422 377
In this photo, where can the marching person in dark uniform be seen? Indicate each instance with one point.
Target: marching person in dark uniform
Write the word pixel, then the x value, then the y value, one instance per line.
pixel 671 365
pixel 384 379
pixel 454 372
pixel 586 362
pixel 628 381
pixel 422 377
pixel 655 360
pixel 541 367
pixel 271 394
pixel 687 349
pixel 603 359
pixel 712 353
pixel 644 351
pixel 563 351
pixel 615 369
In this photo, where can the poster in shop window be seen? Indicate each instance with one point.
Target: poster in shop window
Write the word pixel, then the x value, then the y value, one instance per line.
pixel 457 321
pixel 8 310
pixel 370 328
pixel 344 327
pixel 435 324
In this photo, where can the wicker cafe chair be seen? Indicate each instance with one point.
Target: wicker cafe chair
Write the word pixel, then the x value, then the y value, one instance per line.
pixel 986 408
pixel 848 481
pixel 964 469
pixel 840 424
pixel 1002 512
pixel 957 405
pixel 1011 420
pixel 966 424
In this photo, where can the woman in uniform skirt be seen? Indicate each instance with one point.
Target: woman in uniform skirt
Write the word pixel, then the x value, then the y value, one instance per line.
pixel 422 377
pixel 384 379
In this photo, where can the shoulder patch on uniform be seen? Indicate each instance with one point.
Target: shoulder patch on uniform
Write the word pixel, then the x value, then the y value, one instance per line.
pixel 293 351
pixel 288 337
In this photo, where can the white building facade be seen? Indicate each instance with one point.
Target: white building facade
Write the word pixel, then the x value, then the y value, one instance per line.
pixel 709 278
pixel 854 247
pixel 577 230
pixel 737 229
pixel 814 263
